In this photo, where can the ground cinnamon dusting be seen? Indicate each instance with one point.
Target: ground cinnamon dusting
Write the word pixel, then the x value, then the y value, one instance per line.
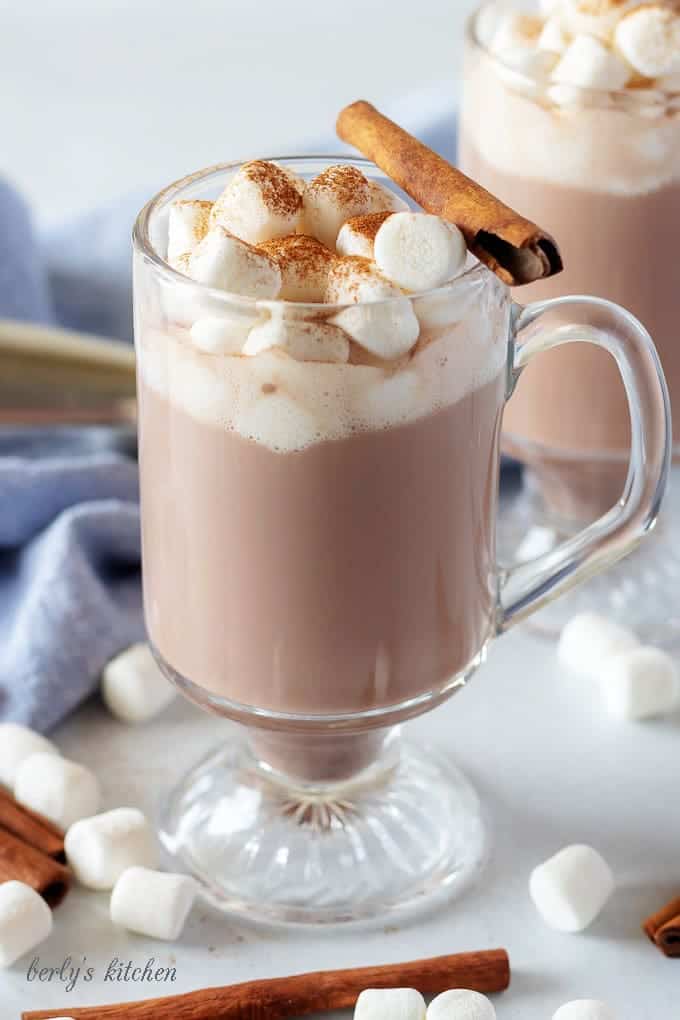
pixel 278 190
pixel 347 184
pixel 369 224
pixel 298 251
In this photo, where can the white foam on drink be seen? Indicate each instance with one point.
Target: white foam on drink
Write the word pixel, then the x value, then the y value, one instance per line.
pixel 287 405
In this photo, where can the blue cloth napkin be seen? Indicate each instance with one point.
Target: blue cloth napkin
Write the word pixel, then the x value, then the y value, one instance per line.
pixel 69 516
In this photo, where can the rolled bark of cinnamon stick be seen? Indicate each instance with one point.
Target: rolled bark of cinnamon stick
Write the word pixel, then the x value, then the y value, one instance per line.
pixel 277 998
pixel 516 249
pixel 31 828
pixel 21 862
pixel 663 928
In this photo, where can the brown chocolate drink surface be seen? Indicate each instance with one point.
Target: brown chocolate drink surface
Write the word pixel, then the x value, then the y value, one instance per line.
pixel 352 574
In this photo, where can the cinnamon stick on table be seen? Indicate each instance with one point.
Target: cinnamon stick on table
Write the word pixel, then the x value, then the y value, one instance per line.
pixel 31 828
pixel 21 862
pixel 277 998
pixel 516 249
pixel 663 928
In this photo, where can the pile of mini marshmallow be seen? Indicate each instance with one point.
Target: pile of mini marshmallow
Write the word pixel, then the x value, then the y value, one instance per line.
pixel 587 44
pixel 456 1004
pixel 338 238
pixel 116 850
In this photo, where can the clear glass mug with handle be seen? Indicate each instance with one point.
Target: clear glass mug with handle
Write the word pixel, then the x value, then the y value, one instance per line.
pixel 319 564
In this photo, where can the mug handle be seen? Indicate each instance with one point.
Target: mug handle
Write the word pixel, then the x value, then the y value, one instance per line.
pixel 539 327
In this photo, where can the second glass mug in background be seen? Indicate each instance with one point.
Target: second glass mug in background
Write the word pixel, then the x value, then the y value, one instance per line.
pixel 319 566
pixel 601 171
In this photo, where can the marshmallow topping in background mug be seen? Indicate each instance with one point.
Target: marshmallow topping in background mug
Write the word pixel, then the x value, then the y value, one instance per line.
pixel 319 488
pixel 572 114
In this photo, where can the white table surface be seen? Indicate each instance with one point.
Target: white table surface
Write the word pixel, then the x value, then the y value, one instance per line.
pixel 551 768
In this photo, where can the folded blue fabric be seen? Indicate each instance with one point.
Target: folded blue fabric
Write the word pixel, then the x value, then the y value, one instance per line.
pixel 69 516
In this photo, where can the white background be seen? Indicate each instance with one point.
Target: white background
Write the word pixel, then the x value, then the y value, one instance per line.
pixel 98 97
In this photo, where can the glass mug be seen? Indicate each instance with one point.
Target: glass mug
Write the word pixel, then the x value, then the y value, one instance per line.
pixel 319 566
pixel 601 171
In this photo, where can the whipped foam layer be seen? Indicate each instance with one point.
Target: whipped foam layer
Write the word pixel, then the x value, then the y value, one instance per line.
pixel 555 96
pixel 288 405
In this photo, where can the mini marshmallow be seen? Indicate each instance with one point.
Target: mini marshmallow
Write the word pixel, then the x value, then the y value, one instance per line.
pixel 263 200
pixel 357 234
pixel 515 30
pixel 221 335
pixel 304 264
pixel 355 280
pixel 25 921
pixel 649 38
pixel 224 261
pixel 553 37
pixel 57 788
pixel 593 17
pixel 570 889
pixel 589 639
pixel 152 903
pixel 585 1009
pixel 16 744
pixel 461 1004
pixel 589 63
pixel 333 196
pixel 532 63
pixel 133 687
pixel 302 340
pixel 101 848
pixel 419 252
pixel 383 199
pixel 188 223
pixel 640 683
pixel 392 1003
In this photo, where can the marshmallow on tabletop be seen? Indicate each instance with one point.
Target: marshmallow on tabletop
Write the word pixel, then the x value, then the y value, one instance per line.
pixel 585 1009
pixel 263 200
pixel 300 339
pixel 570 889
pixel 649 38
pixel 640 683
pixel 57 788
pixel 304 263
pixel 589 639
pixel 152 903
pixel 418 251
pixel 390 1004
pixel 25 921
pixel 188 223
pixel 224 261
pixel 133 687
pixel 16 744
pixel 101 848
pixel 357 234
pixel 333 196
pixel 589 63
pixel 461 1004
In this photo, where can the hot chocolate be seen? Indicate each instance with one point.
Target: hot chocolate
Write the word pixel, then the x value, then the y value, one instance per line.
pixel 558 121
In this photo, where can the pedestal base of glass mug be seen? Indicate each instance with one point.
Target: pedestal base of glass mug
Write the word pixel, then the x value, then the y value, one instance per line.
pixel 400 833
pixel 639 592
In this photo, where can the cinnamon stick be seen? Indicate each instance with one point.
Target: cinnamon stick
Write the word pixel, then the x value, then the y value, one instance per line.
pixel 663 928
pixel 516 249
pixel 31 828
pixel 277 998
pixel 21 862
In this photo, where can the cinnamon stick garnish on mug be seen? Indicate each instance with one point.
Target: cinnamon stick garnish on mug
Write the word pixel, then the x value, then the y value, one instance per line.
pixel 21 862
pixel 31 828
pixel 277 998
pixel 663 928
pixel 516 249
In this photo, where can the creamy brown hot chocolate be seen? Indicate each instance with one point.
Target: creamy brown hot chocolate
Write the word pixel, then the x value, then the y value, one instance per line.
pixel 601 171
pixel 319 482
